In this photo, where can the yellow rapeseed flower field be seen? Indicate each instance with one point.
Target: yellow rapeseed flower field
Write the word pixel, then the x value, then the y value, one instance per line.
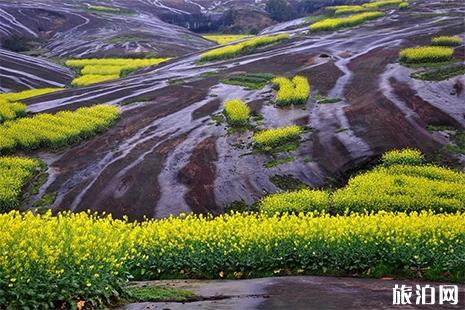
pixel 225 38
pixel 97 70
pixel 39 252
pixel 446 41
pixel 14 174
pixel 11 106
pixel 422 54
pixel 403 183
pixel 339 22
pixel 56 130
pixel 242 47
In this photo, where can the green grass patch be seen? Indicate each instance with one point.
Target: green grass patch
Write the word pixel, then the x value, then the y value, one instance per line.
pixel 458 146
pixel 433 128
pixel 239 206
pixel 249 80
pixel 124 39
pixel 440 74
pixel 109 9
pixel 45 201
pixel 288 182
pixel 209 74
pixel 159 294
pixel 277 162
pixel 316 18
pixel 430 65
pixel 326 100
pixel 176 82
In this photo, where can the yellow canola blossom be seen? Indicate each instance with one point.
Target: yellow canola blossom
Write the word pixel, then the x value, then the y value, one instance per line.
pixel 339 22
pixel 277 136
pixel 225 38
pixel 39 252
pixel 97 70
pixel 243 47
pixel 14 173
pixel 421 54
pixel 446 41
pixel 56 130
pixel 295 91
pixel 11 107
pixel 237 112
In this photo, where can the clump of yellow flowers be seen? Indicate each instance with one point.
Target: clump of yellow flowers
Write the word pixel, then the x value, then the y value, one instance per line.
pixel 404 182
pixel 11 106
pixel 243 47
pixel 295 91
pixel 56 130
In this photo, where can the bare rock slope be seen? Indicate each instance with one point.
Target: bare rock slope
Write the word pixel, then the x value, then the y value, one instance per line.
pixel 76 29
pixel 166 155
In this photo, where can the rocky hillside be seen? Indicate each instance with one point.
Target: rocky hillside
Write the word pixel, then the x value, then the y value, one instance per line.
pixel 78 29
pixel 168 154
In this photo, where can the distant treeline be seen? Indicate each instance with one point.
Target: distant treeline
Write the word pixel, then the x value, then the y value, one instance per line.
pixel 282 10
pixel 249 19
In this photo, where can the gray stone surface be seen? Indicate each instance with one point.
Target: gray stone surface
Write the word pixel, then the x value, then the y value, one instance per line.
pixel 300 292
